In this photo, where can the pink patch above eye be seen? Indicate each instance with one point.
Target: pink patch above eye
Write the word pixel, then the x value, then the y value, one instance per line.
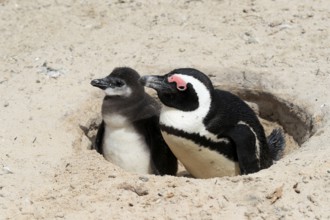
pixel 180 83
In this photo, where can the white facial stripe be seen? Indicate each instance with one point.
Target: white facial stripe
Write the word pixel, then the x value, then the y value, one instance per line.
pixel 256 137
pixel 119 91
pixel 192 121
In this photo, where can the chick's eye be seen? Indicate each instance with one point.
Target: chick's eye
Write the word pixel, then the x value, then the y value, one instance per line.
pixel 119 84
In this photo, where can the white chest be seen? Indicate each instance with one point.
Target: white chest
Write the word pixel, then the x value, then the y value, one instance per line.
pixel 190 122
pixel 123 146
pixel 200 161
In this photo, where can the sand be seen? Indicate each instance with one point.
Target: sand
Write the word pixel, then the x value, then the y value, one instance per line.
pixel 273 53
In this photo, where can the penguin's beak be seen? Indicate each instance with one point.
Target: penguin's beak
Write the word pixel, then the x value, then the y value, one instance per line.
pixel 100 83
pixel 158 83
pixel 107 82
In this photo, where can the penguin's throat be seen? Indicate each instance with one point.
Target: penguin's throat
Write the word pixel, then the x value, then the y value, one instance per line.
pixel 123 112
pixel 115 120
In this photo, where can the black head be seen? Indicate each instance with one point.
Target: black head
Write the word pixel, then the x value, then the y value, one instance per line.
pixel 182 89
pixel 121 83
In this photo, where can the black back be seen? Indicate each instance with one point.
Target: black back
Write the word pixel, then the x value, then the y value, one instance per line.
pixel 227 110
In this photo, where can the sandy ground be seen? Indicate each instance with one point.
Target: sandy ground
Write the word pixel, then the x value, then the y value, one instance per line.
pixel 275 53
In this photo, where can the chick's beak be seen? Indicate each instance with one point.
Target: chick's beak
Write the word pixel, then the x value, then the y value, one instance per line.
pixel 100 83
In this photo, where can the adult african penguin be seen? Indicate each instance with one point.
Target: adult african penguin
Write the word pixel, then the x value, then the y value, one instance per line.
pixel 212 132
pixel 129 135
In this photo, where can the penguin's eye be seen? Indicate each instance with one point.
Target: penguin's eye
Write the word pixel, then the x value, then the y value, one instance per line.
pixel 119 83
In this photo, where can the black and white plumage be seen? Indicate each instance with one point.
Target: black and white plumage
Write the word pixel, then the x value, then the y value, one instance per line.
pixel 212 132
pixel 129 135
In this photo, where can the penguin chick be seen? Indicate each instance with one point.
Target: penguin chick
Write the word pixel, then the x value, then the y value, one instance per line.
pixel 212 132
pixel 129 135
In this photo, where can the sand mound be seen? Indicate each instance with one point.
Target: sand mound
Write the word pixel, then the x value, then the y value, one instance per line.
pixel 272 53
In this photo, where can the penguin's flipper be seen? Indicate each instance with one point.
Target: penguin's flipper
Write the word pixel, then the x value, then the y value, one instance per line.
pixel 245 142
pixel 163 160
pixel 99 138
pixel 276 143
